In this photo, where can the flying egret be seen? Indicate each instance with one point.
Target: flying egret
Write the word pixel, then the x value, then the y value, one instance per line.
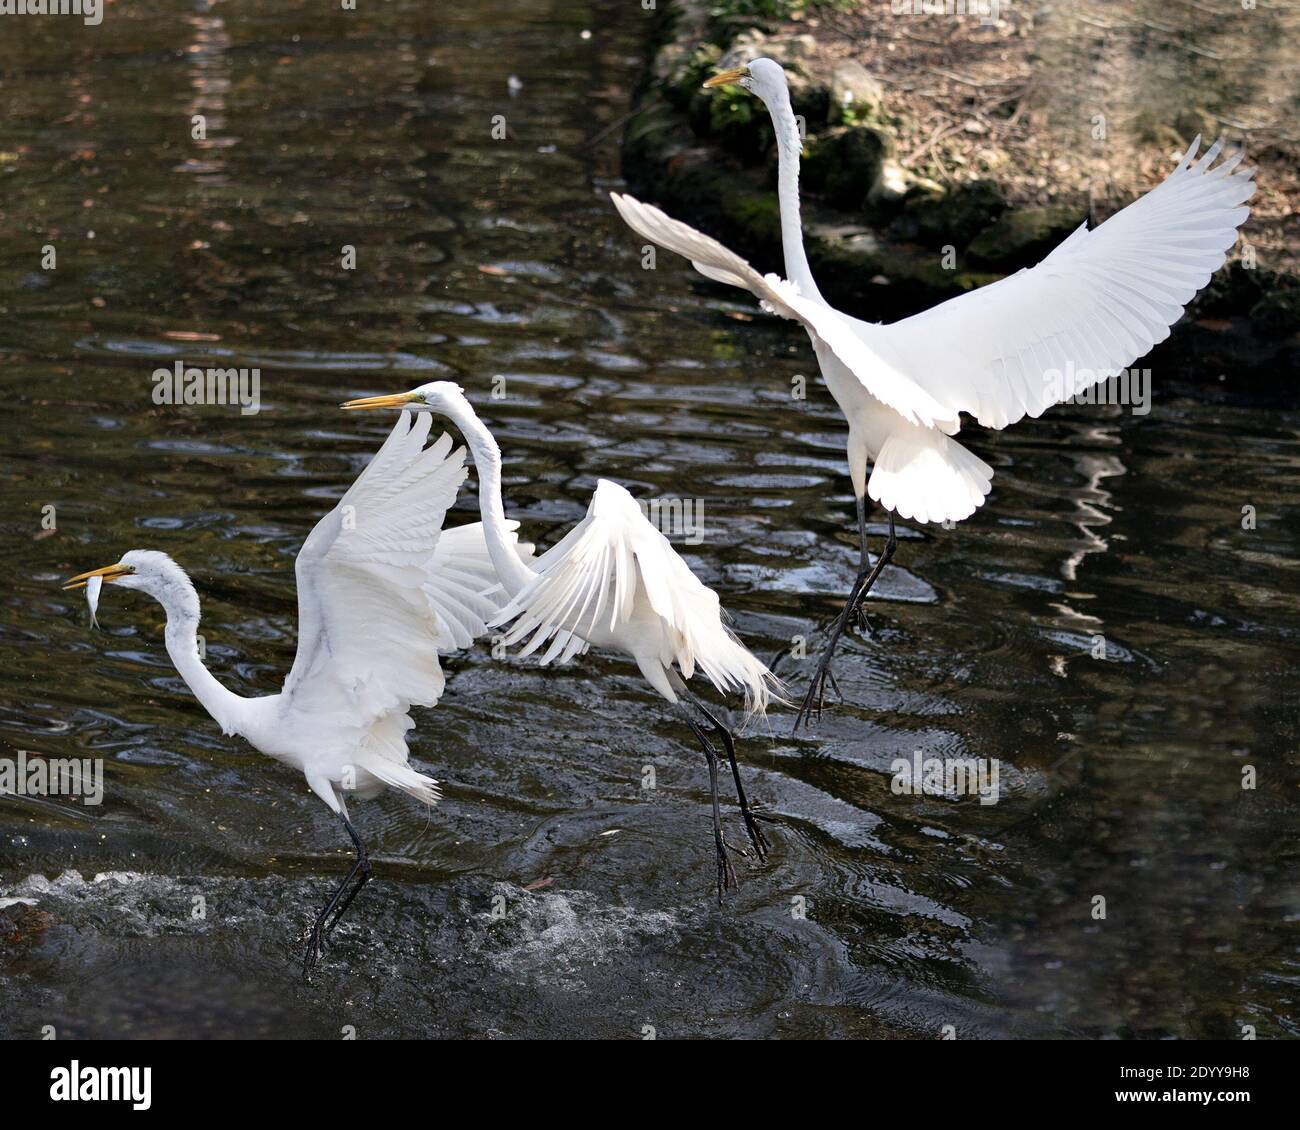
pixel 382 589
pixel 613 581
pixel 1098 302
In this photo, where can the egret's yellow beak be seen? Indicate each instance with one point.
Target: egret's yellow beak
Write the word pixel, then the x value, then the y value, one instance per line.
pixel 393 400
pixel 724 77
pixel 108 572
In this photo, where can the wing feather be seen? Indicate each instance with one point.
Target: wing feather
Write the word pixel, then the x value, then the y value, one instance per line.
pixel 1100 301
pixel 587 587
pixel 381 591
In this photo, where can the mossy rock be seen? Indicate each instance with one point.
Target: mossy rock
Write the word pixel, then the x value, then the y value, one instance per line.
pixel 856 94
pixel 679 72
pixel 1023 236
pixel 756 213
pixel 812 102
pixel 955 217
pixel 852 276
pixel 734 119
pixel 894 188
pixel 843 165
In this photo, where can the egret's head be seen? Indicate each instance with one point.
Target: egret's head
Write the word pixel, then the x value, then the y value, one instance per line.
pixel 762 77
pixel 436 396
pixel 145 570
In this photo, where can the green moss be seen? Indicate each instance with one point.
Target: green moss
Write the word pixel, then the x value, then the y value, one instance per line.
pixel 758 213
pixel 732 108
pixel 955 217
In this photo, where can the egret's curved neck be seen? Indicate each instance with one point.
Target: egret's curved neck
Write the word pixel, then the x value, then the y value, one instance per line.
pixel 511 571
pixel 181 603
pixel 789 145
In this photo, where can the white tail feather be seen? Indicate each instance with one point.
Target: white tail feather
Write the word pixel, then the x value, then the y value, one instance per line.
pixel 401 776
pixel 925 476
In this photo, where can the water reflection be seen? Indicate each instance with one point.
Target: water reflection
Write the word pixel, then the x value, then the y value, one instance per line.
pixel 210 77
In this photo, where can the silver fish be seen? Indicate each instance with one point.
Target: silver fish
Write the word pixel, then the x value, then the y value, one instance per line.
pixel 92 597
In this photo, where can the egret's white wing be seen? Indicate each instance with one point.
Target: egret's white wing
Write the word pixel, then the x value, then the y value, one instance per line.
pixel 463 588
pixel 1095 305
pixel 589 583
pixel 373 613
pixel 715 261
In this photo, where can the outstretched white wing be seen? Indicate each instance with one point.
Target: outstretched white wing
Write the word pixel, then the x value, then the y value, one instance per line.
pixel 1095 305
pixel 614 574
pixel 377 600
pixel 829 326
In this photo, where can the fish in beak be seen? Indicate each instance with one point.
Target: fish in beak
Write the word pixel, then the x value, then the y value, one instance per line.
pixel 92 598
pixel 107 574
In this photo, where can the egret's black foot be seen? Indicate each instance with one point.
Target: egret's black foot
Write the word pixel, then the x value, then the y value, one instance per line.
pixel 726 872
pixel 312 957
pixel 815 698
pixel 854 608
pixel 756 838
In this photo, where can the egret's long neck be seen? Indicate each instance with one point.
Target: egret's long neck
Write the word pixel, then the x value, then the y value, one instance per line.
pixel 182 605
pixel 789 145
pixel 513 573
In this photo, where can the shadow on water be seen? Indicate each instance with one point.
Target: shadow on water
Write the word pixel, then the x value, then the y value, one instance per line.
pixel 1120 776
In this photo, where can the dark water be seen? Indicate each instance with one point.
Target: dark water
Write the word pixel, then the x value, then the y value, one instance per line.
pixel 1120 777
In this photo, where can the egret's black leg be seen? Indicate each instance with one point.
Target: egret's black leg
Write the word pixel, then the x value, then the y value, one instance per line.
pixel 363 877
pixel 362 873
pixel 756 837
pixel 886 556
pixel 362 868
pixel 726 872
pixel 867 574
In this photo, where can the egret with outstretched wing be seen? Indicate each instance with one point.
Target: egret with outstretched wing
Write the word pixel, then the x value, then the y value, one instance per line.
pixel 613 581
pixel 382 590
pixel 1101 300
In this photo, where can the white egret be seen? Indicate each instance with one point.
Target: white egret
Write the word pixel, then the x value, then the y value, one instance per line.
pixel 1098 302
pixel 382 589
pixel 613 581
